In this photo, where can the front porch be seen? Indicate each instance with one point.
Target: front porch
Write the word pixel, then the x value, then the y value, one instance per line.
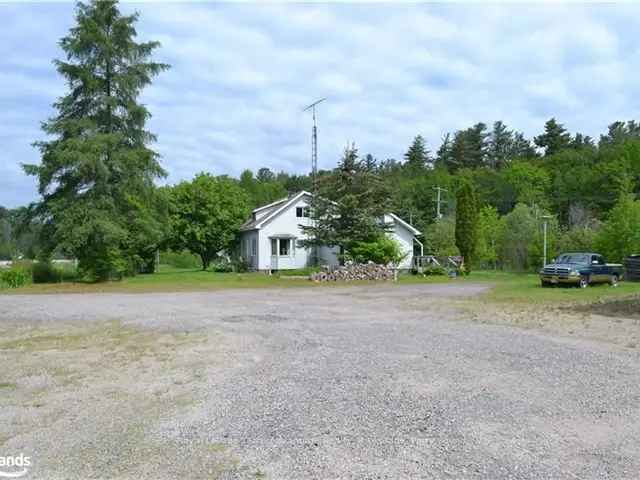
pixel 283 252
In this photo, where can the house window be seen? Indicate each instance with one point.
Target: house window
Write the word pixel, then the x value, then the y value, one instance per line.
pixel 254 247
pixel 302 212
pixel 285 247
pixel 282 247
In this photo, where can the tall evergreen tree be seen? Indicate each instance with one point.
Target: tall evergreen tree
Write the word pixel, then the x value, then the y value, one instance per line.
pixel 580 141
pixel 370 162
pixel 417 157
pixel 469 147
pixel 444 154
pixel 97 173
pixel 500 148
pixel 349 206
pixel 467 222
pixel 522 147
pixel 554 139
pixel 618 132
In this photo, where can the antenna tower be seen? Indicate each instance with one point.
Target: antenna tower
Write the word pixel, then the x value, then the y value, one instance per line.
pixel 314 141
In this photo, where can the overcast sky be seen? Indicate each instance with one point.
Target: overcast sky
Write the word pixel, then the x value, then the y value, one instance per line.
pixel 242 73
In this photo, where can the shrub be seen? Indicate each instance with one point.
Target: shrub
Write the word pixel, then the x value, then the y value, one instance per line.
pixel 240 266
pixel 578 239
pixel 434 270
pixel 440 237
pixel 16 276
pixel 47 272
pixel 382 251
pixel 222 267
pixel 180 259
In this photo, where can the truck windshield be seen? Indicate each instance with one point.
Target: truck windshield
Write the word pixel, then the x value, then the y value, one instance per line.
pixel 573 258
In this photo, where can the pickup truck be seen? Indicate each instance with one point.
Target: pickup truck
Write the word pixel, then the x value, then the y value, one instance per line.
pixel 581 269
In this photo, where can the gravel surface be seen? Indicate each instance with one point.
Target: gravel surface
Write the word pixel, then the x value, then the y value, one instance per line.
pixel 385 382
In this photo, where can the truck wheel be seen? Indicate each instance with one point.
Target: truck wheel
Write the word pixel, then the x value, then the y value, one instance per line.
pixel 544 284
pixel 584 281
pixel 613 281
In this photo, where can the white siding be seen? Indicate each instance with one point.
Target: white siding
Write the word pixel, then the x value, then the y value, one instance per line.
pixel 404 237
pixel 249 240
pixel 286 224
pixel 283 224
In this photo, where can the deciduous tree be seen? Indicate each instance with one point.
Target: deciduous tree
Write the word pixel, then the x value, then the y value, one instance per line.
pixel 620 233
pixel 206 215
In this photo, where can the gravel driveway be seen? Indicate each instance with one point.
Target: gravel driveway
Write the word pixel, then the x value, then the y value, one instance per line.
pixel 386 382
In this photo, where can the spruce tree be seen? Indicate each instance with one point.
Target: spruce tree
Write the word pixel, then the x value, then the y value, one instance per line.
pixel 444 154
pixel 522 147
pixel 417 157
pixel 554 139
pixel 349 206
pixel 469 147
pixel 97 173
pixel 500 146
pixel 466 222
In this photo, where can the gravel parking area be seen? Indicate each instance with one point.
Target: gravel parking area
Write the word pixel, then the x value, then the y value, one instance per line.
pixel 383 382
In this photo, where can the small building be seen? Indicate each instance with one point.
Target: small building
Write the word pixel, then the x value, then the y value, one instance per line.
pixel 632 268
pixel 270 239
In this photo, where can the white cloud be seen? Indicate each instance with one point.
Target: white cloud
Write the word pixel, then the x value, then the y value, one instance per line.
pixel 242 73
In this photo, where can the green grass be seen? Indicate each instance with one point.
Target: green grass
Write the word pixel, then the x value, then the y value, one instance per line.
pixel 525 288
pixel 508 287
pixel 167 279
pixel 298 272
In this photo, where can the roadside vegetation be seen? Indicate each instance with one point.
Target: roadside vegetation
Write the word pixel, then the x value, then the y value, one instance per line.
pixel 525 289
pixel 516 288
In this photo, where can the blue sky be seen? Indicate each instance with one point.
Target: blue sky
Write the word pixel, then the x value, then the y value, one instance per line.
pixel 241 74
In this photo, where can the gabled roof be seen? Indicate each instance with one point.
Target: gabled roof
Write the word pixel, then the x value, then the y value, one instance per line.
pixel 271 211
pixel 406 225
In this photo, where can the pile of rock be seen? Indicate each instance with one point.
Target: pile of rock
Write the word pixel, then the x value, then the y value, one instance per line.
pixel 354 271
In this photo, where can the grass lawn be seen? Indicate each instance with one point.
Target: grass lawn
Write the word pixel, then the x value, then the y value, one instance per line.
pixel 525 288
pixel 509 287
pixel 167 279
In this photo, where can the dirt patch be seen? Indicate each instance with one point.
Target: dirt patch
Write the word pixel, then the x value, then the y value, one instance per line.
pixel 107 382
pixel 623 308
pixel 615 322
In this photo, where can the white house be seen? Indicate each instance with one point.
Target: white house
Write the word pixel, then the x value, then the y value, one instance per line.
pixel 270 239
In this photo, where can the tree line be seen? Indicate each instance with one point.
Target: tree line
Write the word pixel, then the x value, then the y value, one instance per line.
pixel 100 204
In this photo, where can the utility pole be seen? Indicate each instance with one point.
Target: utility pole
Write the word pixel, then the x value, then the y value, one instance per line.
pixel 439 201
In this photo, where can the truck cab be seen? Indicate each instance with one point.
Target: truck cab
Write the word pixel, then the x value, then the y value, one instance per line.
pixel 581 269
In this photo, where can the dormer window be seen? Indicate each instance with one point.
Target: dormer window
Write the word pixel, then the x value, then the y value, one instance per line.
pixel 302 212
